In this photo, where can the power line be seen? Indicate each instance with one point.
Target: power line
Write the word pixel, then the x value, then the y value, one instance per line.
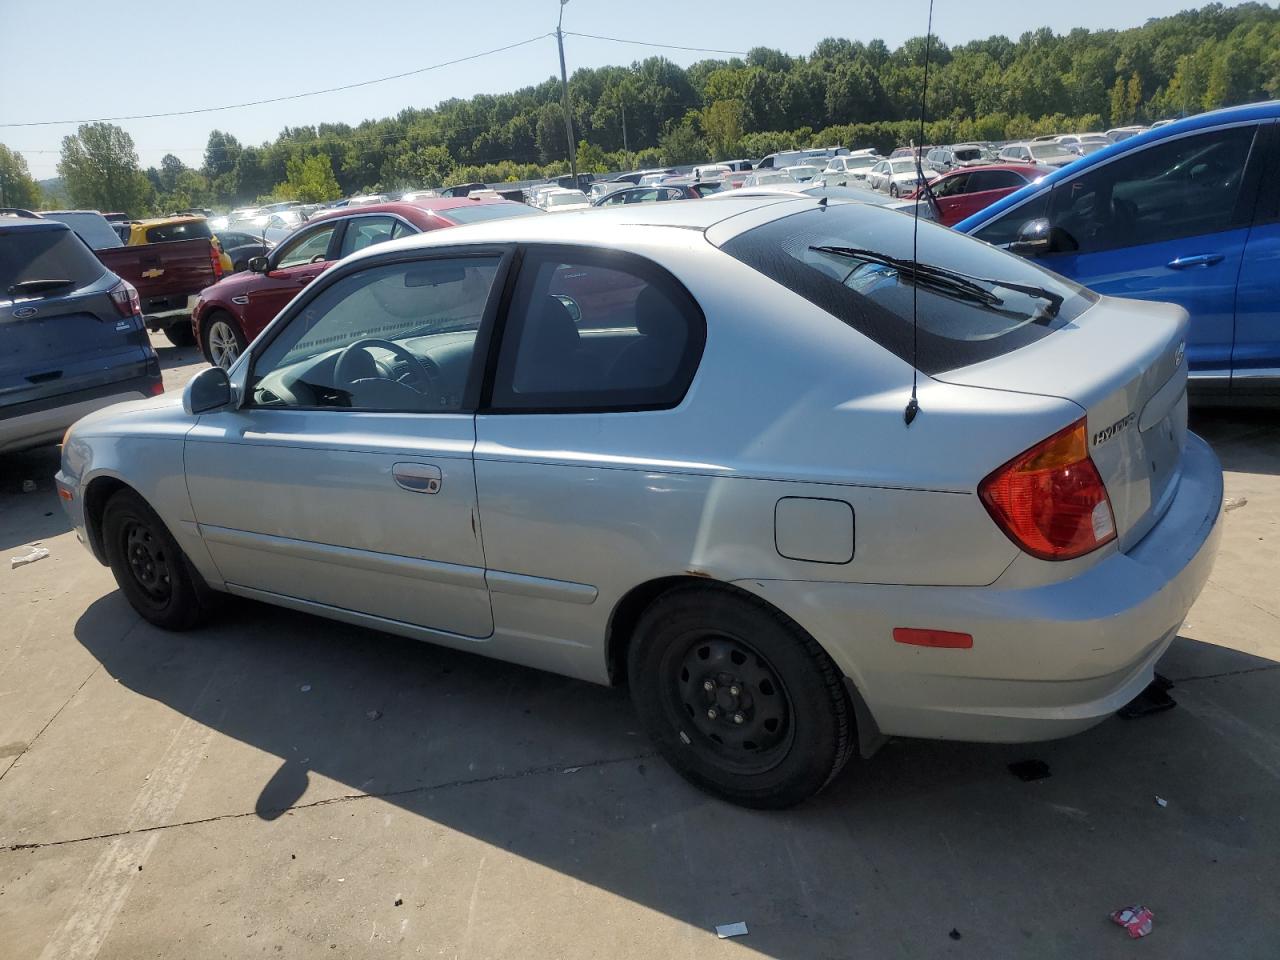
pixel 294 96
pixel 647 43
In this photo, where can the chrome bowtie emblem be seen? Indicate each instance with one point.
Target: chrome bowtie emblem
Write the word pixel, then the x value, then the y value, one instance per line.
pixel 22 313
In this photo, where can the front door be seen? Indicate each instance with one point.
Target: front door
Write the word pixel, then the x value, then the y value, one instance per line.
pixel 1167 222
pixel 291 266
pixel 1255 360
pixel 345 479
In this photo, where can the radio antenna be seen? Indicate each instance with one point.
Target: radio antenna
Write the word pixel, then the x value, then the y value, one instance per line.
pixel 913 405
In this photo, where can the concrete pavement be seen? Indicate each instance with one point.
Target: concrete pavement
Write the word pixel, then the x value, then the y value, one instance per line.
pixel 280 785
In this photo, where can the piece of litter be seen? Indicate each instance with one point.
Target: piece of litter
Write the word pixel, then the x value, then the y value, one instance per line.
pixel 399 902
pixel 1161 802
pixel 28 486
pixel 570 769
pixel 954 934
pixel 306 688
pixel 373 714
pixel 1136 920
pixel 31 556
pixel 1028 770
pixel 1234 503
pixel 342 879
pixel 727 930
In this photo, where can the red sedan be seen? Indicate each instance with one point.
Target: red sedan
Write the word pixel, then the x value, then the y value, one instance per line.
pixel 233 311
pixel 968 190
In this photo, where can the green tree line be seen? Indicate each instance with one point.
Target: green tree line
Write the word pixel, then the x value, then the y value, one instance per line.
pixel 846 92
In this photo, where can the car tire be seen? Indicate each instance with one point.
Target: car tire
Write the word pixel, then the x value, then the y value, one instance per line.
pixel 180 334
pixel 150 568
pixel 893 190
pixel 221 339
pixel 738 698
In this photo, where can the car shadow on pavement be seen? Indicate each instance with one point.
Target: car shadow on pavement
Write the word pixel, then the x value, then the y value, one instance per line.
pixel 924 839
pixel 1245 440
pixel 29 507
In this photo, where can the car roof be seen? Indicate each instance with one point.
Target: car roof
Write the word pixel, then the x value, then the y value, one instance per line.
pixel 593 226
pixel 10 224
pixel 1267 110
pixel 429 204
pixel 156 221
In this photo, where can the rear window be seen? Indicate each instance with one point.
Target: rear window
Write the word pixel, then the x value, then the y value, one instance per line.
pixel 46 255
pixel 954 329
pixel 191 230
pixel 488 211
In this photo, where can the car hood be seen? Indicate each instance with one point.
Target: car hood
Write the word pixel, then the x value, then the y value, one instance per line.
pixel 136 417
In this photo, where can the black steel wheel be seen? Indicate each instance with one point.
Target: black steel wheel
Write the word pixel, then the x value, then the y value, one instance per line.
pixel 732 697
pixel 148 564
pixel 739 699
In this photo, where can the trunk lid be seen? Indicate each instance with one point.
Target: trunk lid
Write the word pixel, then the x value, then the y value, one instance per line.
pixel 1123 363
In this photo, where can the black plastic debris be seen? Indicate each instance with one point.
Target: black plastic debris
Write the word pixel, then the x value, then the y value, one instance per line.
pixel 399 902
pixel 1028 770
pixel 1153 699
pixel 954 934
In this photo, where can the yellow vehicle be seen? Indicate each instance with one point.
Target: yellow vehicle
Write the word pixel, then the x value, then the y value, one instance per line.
pixel 164 229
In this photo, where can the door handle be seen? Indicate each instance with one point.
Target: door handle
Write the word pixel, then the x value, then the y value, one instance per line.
pixel 417 477
pixel 1200 260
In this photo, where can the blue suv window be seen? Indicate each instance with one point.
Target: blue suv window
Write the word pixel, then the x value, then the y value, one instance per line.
pixel 1184 187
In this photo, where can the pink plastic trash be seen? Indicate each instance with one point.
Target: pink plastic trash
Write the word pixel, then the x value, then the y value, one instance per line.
pixel 1136 920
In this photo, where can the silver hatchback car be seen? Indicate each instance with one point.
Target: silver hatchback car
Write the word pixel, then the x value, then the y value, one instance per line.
pixel 665 446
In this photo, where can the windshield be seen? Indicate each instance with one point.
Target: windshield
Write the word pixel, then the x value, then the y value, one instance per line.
pixel 975 302
pixel 969 153
pixel 488 211
pixel 1040 150
pixel 903 166
pixel 803 171
pixel 563 199
pixel 853 162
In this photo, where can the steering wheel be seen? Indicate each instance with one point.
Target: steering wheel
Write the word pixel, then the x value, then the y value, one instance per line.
pixel 355 365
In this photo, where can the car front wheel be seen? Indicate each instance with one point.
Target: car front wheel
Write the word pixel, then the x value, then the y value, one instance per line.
pixel 738 698
pixel 149 566
pixel 893 190
pixel 223 341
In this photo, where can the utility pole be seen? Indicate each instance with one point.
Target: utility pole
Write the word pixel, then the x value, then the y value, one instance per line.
pixel 564 97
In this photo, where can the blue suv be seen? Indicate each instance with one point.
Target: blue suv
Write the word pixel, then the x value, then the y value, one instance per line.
pixel 1188 213
pixel 72 336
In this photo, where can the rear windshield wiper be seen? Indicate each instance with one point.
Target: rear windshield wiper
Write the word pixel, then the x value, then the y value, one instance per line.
pixel 38 286
pixel 946 281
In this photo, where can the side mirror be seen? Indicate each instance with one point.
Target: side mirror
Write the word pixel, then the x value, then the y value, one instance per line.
pixel 258 264
pixel 1033 238
pixel 207 390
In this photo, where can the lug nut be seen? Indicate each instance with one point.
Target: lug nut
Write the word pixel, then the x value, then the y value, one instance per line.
pixel 738 718
pixel 734 691
pixel 711 713
pixel 708 686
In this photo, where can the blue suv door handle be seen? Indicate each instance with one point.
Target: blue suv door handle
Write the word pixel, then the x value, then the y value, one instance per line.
pixel 1202 260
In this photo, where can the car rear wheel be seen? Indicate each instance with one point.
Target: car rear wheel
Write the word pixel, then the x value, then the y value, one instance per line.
pixel 149 566
pixel 739 699
pixel 180 334
pixel 223 341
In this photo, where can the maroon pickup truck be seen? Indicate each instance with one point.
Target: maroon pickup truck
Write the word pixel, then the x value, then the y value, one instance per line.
pixel 168 275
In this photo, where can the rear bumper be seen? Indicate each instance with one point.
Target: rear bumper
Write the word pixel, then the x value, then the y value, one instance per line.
pixel 1046 661
pixel 44 421
pixel 160 319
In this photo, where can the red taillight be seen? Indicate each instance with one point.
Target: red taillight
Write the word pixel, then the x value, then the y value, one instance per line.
pixel 125 296
pixel 1050 500
pixel 156 388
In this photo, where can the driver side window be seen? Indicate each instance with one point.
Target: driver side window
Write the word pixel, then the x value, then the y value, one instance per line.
pixel 394 337
pixel 306 248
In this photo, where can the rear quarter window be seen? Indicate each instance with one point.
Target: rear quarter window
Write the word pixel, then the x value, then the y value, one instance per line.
pixel 953 330
pixel 46 255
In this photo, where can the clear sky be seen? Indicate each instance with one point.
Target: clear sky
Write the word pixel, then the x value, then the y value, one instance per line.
pixel 89 59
